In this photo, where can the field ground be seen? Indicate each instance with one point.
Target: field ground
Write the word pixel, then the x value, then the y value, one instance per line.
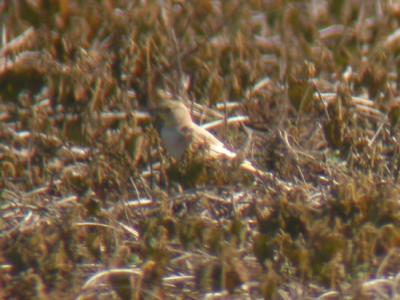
pixel 91 207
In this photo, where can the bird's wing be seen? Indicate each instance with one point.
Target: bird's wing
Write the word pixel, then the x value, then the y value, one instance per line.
pixel 202 138
pixel 216 148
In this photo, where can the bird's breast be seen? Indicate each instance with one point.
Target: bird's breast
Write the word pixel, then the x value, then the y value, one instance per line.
pixel 174 142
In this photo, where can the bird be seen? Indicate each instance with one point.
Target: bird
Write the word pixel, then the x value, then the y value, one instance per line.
pixel 179 134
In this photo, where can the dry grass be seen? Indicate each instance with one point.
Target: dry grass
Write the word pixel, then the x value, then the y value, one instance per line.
pixel 91 207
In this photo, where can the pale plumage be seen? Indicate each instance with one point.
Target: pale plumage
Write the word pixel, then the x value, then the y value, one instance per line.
pixel 178 133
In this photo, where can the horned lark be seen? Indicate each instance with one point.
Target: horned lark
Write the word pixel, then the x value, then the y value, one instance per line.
pixel 180 134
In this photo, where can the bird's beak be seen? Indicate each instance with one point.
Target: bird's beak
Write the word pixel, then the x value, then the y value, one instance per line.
pixel 157 118
pixel 152 111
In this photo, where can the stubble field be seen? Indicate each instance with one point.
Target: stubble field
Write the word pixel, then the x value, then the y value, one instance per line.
pixel 91 206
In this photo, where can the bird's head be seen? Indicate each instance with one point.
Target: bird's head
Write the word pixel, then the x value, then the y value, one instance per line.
pixel 171 113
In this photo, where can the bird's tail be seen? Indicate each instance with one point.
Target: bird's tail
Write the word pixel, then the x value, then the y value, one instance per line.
pixel 266 176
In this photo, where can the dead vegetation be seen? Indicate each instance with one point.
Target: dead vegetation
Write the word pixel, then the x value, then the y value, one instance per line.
pixel 91 207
